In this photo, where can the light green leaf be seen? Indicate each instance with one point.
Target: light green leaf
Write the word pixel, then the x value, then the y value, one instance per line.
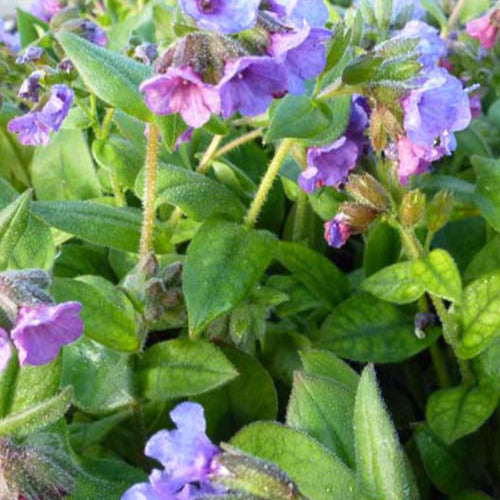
pixel 181 367
pixel 439 275
pixel 485 261
pixel 454 413
pixel 394 284
pixel 222 257
pixel 488 189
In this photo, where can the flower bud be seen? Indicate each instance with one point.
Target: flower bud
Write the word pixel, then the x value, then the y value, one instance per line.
pixel 412 208
pixel 422 322
pixel 256 477
pixel 359 217
pixel 439 210
pixel 367 190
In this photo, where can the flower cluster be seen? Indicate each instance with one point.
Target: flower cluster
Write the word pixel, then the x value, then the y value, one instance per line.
pixel 188 457
pixel 211 73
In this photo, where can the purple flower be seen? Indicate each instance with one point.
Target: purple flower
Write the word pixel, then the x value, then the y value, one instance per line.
pixel 42 330
pixel 330 165
pixel 31 54
pixel 187 455
pixel 181 90
pixel 312 12
pixel 337 231
pixel 485 29
pixel 431 46
pixel 46 9
pixel 249 85
pixel 226 16
pixel 94 33
pixel 303 54
pixel 146 52
pixel 414 159
pixel 11 40
pixel 476 107
pixel 184 138
pixel 5 350
pixel 34 127
pixel 30 87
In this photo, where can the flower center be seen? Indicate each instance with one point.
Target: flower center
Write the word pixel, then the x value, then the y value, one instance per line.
pixel 207 6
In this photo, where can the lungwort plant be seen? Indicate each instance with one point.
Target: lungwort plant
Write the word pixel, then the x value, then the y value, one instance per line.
pixel 250 250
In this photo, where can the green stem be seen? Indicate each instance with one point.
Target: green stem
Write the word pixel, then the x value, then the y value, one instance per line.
pixel 149 211
pixel 209 154
pixel 117 192
pixel 267 182
pixel 455 14
pixel 299 221
pixel 439 364
pixel 107 122
pixel 239 141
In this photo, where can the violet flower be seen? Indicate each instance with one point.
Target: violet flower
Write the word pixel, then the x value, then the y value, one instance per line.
pixel 42 330
pixel 313 12
pixel 30 87
pixel 31 131
pixel 11 40
pixel 485 29
pixel 249 85
pixel 181 90
pixel 188 457
pixel 146 52
pixel 337 231
pixel 31 54
pixel 94 33
pixel 226 16
pixel 303 53
pixel 57 107
pixel 330 165
pixel 46 9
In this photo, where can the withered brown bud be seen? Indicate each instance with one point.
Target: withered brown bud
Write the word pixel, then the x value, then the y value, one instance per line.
pixel 367 190
pixel 357 216
pixel 412 208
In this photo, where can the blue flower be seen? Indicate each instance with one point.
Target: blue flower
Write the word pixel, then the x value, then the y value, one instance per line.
pixel 226 16
pixel 312 12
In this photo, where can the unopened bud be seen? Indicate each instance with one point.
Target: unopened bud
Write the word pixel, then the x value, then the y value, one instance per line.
pixel 256 477
pixel 367 190
pixel 359 217
pixel 422 322
pixel 412 208
pixel 440 210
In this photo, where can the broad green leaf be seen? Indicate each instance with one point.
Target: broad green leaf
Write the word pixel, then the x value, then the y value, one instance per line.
pixel 383 13
pixel 487 365
pixel 471 495
pixel 365 329
pixel 478 315
pixel 226 258
pixel 471 10
pixel 101 378
pixel 485 261
pixel 39 415
pixel 488 189
pixel 382 248
pixel 113 227
pixel 439 275
pixel 326 364
pixel 317 472
pixel 454 413
pixel 76 259
pixel 249 397
pixel 198 196
pixel 324 409
pixel 64 169
pixel 447 466
pixel 318 274
pixel 14 220
pixel 181 367
pixel 108 316
pixel 112 77
pixel 27 24
pixel 394 284
pixel 362 69
pixel 382 467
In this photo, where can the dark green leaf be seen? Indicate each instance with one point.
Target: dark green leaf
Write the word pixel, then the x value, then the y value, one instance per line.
pixel 488 189
pixel 27 24
pixel 485 261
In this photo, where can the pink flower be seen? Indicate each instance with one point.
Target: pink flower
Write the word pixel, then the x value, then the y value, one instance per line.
pixel 484 29
pixel 181 90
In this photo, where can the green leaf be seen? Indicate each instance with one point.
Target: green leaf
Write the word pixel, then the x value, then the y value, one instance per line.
pixel 487 365
pixel 101 378
pixel 478 315
pixel 382 467
pixel 433 8
pixel 182 367
pixel 27 24
pixel 222 257
pixel 383 13
pixel 108 316
pixel 317 472
pixel 112 77
pixel 324 409
pixel 198 196
pixel 362 69
pixel 37 416
pixel 104 225
pixel 471 10
pixel 394 284
pixel 439 275
pixel 485 261
pixel 382 248
pixel 365 329
pixel 64 170
pixel 454 413
pixel 319 275
pixel 488 189
pixel 326 364
pixel 14 220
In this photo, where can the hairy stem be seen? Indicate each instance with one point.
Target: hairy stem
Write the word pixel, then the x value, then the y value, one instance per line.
pixel 267 182
pixel 239 141
pixel 455 14
pixel 209 154
pixel 149 211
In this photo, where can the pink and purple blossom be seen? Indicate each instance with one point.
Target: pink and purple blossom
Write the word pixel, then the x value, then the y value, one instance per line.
pixel 181 90
pixel 485 29
pixel 337 231
pixel 46 9
pixel 225 16
pixel 187 455
pixel 312 12
pixel 250 84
